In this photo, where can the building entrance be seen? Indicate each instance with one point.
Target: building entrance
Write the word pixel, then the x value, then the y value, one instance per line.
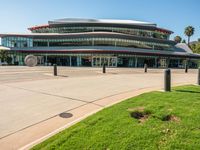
pixel 108 61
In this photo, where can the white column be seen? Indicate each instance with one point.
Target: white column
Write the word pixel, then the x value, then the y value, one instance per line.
pixel 78 59
pixel 92 61
pixel 46 60
pixel 70 61
pixel 92 41
pixel 136 61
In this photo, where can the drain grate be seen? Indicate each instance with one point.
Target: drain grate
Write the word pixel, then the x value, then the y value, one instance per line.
pixel 65 115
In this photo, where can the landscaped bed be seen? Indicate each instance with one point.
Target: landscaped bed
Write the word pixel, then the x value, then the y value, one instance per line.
pixel 155 120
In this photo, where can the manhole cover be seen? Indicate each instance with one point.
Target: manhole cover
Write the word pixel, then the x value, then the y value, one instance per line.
pixel 65 115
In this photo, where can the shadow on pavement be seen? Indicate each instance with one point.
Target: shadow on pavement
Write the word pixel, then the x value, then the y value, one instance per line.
pixel 187 91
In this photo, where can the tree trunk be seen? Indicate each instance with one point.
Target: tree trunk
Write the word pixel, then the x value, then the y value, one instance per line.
pixel 188 40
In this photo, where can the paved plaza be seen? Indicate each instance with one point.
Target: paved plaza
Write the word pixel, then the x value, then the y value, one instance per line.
pixel 31 99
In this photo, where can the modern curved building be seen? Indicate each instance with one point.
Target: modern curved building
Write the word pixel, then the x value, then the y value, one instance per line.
pixel 91 42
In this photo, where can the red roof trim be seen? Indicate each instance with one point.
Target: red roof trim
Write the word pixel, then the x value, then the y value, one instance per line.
pixel 38 27
pixel 164 31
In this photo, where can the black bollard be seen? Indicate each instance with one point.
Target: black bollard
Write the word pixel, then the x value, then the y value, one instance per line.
pixel 104 68
pixel 186 68
pixel 55 70
pixel 198 81
pixel 145 68
pixel 167 82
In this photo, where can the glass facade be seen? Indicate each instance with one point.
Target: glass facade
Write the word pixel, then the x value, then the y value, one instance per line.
pixel 21 42
pixel 18 41
pixel 118 60
pixel 97 60
pixel 129 31
pixel 101 42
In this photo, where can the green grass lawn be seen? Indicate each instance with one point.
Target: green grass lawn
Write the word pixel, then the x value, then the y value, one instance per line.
pixel 162 121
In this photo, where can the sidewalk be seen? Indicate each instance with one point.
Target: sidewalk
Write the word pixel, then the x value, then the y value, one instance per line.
pixel 33 108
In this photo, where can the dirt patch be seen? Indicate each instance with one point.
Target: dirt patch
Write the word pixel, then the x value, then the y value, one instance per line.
pixel 171 118
pixel 139 114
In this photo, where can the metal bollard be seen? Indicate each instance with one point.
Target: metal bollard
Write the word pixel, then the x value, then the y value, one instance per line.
pixel 198 80
pixel 55 70
pixel 104 68
pixel 167 80
pixel 145 68
pixel 186 68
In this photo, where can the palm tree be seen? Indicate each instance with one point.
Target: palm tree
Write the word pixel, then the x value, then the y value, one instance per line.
pixel 189 31
pixel 177 39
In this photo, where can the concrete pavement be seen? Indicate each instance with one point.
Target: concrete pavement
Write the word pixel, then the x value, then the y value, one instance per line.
pixel 30 105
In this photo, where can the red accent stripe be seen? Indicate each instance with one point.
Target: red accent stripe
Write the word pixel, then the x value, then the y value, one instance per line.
pixel 163 31
pixel 38 27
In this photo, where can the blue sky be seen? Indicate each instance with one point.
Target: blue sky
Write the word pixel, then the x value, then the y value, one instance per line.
pixel 18 15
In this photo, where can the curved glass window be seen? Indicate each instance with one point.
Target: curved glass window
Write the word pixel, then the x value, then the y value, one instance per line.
pixel 130 31
pixel 101 42
pixel 18 42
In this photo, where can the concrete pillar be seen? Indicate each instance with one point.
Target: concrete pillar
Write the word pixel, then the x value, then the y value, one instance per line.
pixel 186 68
pixel 145 68
pixel 167 80
pixel 104 68
pixel 55 70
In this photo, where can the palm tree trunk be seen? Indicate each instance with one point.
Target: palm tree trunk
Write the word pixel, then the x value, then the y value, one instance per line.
pixel 188 40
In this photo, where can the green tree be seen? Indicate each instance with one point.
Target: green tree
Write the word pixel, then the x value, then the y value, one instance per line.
pixel 189 31
pixel 177 39
pixel 183 41
pixel 4 56
pixel 195 47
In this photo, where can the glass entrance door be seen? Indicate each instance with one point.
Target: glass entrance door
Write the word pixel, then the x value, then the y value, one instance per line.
pixel 163 63
pixel 108 61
